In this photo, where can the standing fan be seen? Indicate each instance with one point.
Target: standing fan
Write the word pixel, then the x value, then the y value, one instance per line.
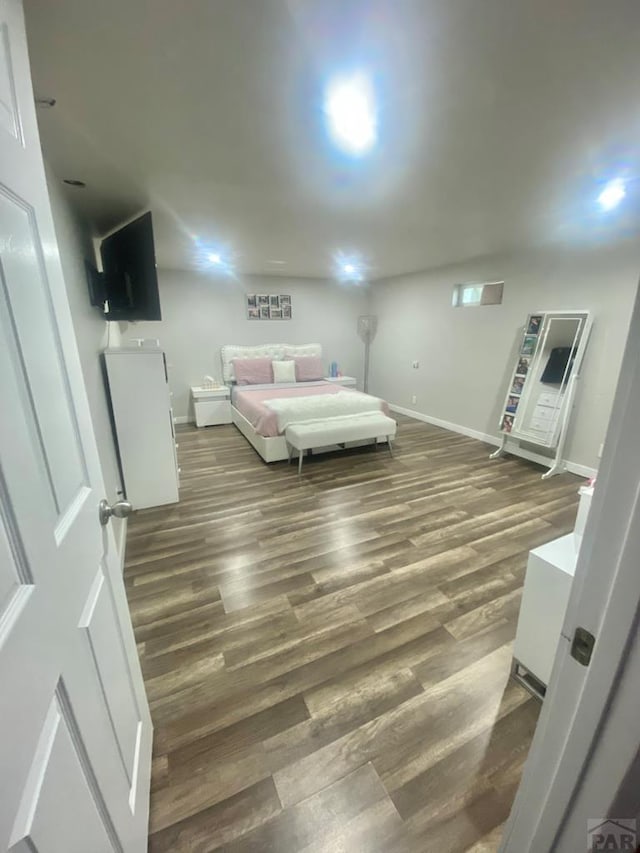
pixel 367 328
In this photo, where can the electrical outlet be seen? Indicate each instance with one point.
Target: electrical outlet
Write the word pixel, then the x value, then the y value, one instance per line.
pixel 415 364
pixel 414 399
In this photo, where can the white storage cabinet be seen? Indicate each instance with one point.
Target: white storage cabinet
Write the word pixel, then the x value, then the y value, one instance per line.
pixel 547 587
pixel 141 405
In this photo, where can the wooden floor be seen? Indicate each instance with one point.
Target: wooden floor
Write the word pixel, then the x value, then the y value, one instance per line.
pixel 327 658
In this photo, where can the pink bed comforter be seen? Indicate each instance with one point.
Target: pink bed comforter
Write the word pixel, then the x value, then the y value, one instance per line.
pixel 250 402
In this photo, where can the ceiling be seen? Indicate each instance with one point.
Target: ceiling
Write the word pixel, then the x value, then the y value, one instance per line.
pixel 498 122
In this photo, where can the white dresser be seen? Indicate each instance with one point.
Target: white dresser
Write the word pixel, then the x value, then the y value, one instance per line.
pixel 547 587
pixel 141 405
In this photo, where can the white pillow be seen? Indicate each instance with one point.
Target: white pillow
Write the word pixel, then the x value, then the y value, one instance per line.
pixel 284 371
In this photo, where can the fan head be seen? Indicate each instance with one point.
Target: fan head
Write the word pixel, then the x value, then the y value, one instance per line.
pixel 367 327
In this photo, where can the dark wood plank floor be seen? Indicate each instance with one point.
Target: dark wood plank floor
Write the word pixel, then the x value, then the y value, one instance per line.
pixel 327 658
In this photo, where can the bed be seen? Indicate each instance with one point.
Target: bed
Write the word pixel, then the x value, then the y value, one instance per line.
pixel 262 411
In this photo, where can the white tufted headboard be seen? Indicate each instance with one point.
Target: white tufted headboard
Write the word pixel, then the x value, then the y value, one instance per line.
pixel 274 351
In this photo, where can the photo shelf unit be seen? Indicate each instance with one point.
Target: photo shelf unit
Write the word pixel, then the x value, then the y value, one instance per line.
pixel 539 399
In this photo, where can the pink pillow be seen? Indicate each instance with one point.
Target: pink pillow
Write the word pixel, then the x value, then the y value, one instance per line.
pixel 308 368
pixel 253 371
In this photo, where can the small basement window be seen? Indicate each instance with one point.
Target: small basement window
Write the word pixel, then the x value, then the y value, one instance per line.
pixel 473 293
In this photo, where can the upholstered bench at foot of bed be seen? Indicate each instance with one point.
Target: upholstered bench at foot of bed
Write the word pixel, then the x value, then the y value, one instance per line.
pixel 306 436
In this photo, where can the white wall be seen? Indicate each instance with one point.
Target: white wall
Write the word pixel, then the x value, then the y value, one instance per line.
pixel 466 354
pixel 75 245
pixel 201 313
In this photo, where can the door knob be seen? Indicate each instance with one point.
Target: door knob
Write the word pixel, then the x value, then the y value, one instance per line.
pixel 121 509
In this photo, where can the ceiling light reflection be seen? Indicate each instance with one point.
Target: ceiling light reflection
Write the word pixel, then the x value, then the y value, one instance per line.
pixel 214 258
pixel 351 113
pixel 349 269
pixel 612 194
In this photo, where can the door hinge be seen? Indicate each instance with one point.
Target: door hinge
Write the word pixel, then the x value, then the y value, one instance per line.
pixel 582 646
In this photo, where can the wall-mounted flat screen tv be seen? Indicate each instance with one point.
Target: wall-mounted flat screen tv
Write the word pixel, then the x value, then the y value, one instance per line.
pixel 127 289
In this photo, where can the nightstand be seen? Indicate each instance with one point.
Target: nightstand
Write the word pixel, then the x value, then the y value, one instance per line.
pixel 347 381
pixel 211 406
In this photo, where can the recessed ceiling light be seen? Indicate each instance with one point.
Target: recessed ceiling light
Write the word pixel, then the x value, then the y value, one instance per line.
pixel 612 194
pixel 351 112
pixel 349 268
pixel 214 257
pixel 72 182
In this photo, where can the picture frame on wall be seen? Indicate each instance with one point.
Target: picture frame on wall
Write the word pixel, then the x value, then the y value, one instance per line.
pixel 533 326
pixel 269 306
pixel 517 385
pixel 507 423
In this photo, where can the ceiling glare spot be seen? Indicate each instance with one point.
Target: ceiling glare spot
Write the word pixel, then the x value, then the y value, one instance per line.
pixel 214 258
pixel 349 269
pixel 351 113
pixel 612 194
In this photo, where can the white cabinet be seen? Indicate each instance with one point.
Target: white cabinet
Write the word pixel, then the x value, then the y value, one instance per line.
pixel 211 406
pixel 545 596
pixel 141 406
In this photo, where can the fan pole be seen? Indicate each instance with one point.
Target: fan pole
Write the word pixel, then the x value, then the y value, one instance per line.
pixel 367 325
pixel 366 366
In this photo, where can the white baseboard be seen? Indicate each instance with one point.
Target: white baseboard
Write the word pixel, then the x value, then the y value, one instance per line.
pixel 472 433
pixel 581 470
pixel 572 467
pixel 182 419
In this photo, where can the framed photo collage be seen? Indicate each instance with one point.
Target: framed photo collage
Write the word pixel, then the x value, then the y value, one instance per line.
pixel 268 306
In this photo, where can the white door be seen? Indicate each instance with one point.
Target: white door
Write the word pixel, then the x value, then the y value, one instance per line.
pixel 75 730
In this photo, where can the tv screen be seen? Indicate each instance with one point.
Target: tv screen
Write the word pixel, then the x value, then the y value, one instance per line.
pixel 129 272
pixel 557 365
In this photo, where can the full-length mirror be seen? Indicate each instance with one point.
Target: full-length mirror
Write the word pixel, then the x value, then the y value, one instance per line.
pixel 542 386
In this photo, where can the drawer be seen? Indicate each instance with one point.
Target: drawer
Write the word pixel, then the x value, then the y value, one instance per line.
pixel 549 398
pixel 545 413
pixel 212 412
pixel 213 396
pixel 541 426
